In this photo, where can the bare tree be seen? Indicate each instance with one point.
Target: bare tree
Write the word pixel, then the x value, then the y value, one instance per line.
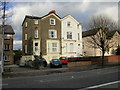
pixel 101 41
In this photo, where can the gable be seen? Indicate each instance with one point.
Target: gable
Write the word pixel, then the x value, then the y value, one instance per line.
pixel 70 17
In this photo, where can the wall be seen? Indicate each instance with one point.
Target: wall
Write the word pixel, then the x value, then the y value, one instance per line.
pixel 77 50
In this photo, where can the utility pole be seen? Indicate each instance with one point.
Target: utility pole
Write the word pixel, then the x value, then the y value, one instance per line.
pixel 3 23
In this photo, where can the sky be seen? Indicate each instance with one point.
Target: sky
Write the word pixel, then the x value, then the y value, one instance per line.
pixel 81 11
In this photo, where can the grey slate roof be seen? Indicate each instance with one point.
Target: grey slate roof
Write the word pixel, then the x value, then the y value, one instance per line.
pixel 94 31
pixel 7 29
pixel 89 32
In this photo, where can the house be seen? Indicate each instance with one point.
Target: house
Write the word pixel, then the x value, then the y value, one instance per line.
pixel 42 36
pixel 90 50
pixel 71 37
pixel 8 44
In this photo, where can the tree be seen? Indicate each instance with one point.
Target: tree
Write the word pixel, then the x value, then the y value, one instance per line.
pixel 17 55
pixel 118 50
pixel 103 24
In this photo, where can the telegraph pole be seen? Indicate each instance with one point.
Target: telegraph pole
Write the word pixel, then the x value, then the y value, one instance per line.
pixel 3 23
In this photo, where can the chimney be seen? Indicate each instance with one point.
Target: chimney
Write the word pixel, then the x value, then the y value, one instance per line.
pixel 53 11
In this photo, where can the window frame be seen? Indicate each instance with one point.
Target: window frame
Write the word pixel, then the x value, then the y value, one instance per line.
pixel 36 22
pixel 54 35
pixel 36 33
pixel 54 47
pixel 6 46
pixel 54 21
pixel 8 58
pixel 69 35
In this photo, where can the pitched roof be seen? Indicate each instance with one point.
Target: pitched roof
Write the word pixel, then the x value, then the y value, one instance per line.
pixel 94 31
pixel 90 32
pixel 8 29
pixel 35 17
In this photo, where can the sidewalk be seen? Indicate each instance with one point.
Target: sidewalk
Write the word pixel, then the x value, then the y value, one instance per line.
pixel 25 72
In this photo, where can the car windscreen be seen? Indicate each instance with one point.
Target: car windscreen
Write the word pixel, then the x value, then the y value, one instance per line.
pixel 62 58
pixel 55 60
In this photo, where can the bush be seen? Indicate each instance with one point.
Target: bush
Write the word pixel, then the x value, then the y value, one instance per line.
pixel 118 50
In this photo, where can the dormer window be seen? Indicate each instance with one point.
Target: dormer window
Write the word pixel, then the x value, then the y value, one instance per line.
pixel 68 24
pixel 36 21
pixel 52 21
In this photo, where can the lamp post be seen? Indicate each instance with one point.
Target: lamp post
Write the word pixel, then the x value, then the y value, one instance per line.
pixel 3 23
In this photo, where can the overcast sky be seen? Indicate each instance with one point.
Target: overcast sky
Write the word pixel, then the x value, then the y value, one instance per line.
pixel 81 11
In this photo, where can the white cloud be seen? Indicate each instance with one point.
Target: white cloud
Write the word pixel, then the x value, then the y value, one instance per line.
pixel 111 12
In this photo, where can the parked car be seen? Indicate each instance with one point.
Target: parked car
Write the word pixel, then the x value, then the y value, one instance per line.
pixel 55 63
pixel 64 60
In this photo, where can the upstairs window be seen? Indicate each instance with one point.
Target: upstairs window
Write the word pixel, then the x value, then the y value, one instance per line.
pixel 78 36
pixel 52 21
pixel 6 58
pixel 26 24
pixel 25 36
pixel 36 33
pixel 36 22
pixel 52 34
pixel 6 47
pixel 69 35
pixel 7 36
pixel 68 24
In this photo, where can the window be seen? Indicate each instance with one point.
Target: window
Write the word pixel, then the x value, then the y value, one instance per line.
pixel 54 47
pixel 25 48
pixel 7 36
pixel 71 47
pixel 69 35
pixel 78 36
pixel 52 21
pixel 36 33
pixel 25 24
pixel 25 36
pixel 6 58
pixel 48 47
pixel 6 47
pixel 66 47
pixel 36 46
pixel 68 24
pixel 52 34
pixel 36 21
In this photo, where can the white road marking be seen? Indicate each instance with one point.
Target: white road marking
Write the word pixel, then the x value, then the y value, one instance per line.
pixel 5 84
pixel 96 86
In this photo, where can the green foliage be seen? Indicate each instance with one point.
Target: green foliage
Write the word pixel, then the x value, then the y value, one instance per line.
pixel 118 50
pixel 17 54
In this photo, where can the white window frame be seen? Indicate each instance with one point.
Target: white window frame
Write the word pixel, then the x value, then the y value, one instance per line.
pixel 36 33
pixel 54 35
pixel 25 48
pixel 6 47
pixel 7 36
pixel 68 23
pixel 54 47
pixel 69 35
pixel 52 21
pixel 78 36
pixel 6 58
pixel 36 22
pixel 25 36
pixel 26 24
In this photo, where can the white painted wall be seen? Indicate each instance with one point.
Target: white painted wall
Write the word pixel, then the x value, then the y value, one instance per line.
pixel 76 50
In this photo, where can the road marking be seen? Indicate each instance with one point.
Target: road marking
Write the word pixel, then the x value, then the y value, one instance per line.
pixel 96 86
pixel 5 84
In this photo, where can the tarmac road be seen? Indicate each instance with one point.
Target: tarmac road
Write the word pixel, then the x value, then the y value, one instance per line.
pixel 75 80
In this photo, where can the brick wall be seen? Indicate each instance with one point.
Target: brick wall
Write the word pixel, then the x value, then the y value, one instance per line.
pixel 114 58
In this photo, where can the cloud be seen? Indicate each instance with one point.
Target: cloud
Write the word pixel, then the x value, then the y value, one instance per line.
pixel 111 12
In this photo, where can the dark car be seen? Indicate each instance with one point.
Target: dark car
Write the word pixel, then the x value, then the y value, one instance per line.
pixel 55 63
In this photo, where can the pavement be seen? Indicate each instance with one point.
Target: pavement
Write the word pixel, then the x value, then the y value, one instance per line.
pixel 82 80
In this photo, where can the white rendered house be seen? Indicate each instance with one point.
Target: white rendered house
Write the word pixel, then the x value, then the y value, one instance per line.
pixel 71 37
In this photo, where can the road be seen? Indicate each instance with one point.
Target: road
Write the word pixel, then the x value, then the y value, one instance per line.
pixel 76 80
